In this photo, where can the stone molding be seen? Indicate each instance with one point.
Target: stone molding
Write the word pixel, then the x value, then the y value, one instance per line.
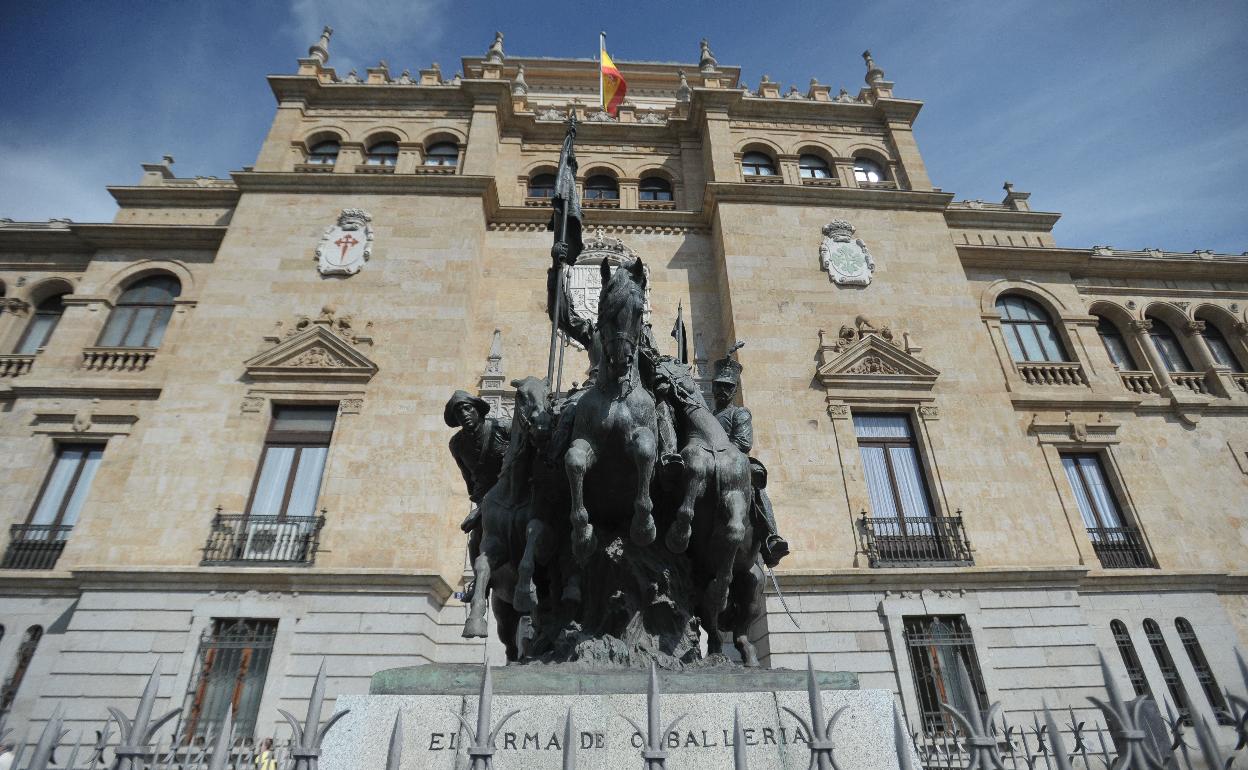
pixel 867 358
pixel 1089 262
pixel 1074 430
pixel 317 350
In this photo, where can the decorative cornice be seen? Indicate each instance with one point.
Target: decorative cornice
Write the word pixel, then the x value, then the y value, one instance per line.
pixel 382 184
pixel 1000 219
pixel 225 194
pixel 1092 262
pixel 1076 578
pixel 812 195
pixel 88 237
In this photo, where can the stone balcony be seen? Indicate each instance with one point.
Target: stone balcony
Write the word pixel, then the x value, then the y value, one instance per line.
pixel 15 365
pixel 1061 373
pixel 1143 383
pixel 104 359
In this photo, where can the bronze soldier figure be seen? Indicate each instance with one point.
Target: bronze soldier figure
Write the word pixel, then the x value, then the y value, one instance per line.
pixel 738 423
pixel 478 448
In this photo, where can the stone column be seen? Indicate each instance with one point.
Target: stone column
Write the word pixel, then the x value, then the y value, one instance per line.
pixel 481 154
pixel 914 171
pixel 409 157
pixel 629 195
pixel 789 169
pixel 844 169
pixel 719 161
pixel 1139 330
pixel 350 155
pixel 1218 376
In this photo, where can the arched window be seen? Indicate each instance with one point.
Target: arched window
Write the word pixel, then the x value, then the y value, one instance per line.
pixel 601 187
pixel 1029 333
pixel 1168 347
pixel 383 154
pixel 1204 674
pixel 442 154
pixel 25 653
pixel 757 164
pixel 1219 348
pixel 324 153
pixel 1169 673
pixel 142 313
pixel 542 186
pixel 867 170
pixel 47 315
pixel 1115 345
pixel 1135 671
pixel 814 167
pixel 655 188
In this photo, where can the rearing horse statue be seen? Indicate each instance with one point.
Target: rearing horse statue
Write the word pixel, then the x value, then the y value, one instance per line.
pixel 615 420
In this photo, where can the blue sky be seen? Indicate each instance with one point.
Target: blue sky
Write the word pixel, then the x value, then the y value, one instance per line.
pixel 1129 118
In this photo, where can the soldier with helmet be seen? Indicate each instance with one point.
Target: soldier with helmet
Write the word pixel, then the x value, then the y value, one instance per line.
pixel 478 448
pixel 738 423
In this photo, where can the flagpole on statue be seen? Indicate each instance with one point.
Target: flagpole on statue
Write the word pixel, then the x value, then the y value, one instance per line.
pixel 568 245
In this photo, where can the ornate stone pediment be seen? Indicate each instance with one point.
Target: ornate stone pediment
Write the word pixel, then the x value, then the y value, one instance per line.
pixel 869 357
pixel 317 349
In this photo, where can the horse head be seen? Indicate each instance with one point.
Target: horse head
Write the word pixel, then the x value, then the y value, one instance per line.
pixel 532 410
pixel 620 307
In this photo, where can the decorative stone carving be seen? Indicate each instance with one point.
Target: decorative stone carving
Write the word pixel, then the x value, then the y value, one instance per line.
pixel 350 405
pixel 495 54
pixel 845 258
pixel 315 349
pixel 519 86
pixel 652 118
pixel 683 92
pixel 585 279
pixel 601 116
pixel 550 113
pixel 1192 328
pixel 706 59
pixel 352 77
pixel 929 412
pixel 838 410
pixel 14 305
pixel 866 356
pixel 252 404
pixel 493 388
pixel 1140 325
pixel 347 245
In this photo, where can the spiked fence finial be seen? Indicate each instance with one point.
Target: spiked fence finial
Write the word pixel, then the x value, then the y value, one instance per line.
pixel 308 737
pixel 481 751
pixel 136 734
pixel 49 739
pixel 221 745
pixel 395 754
pixel 652 749
pixel 739 759
pixel 569 742
pixel 821 748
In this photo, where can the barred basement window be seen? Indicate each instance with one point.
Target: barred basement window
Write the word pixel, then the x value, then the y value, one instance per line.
pixel 25 653
pixel 1135 671
pixel 1169 673
pixel 231 667
pixel 1208 682
pixel 935 643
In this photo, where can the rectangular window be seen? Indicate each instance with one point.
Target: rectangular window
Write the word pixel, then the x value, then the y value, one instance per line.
pixel 38 543
pixel 289 478
pixel 1117 544
pixel 230 670
pixel 894 473
pixel 935 644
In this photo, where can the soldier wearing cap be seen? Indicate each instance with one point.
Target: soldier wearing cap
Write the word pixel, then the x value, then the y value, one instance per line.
pixel 738 423
pixel 478 448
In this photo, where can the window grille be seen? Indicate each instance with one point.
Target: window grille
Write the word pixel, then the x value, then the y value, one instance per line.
pixel 1169 673
pixel 231 667
pixel 934 644
pixel 1204 674
pixel 1126 648
pixel 25 654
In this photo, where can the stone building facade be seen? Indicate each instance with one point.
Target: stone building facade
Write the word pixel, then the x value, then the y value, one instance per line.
pixel 981 444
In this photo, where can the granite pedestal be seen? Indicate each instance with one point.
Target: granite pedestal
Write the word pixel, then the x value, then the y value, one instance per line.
pixel 602 702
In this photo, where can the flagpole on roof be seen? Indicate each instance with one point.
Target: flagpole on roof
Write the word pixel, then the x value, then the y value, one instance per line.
pixel 602 46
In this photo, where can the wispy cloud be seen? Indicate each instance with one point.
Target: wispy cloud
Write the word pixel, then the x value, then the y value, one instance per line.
pixel 42 180
pixel 368 28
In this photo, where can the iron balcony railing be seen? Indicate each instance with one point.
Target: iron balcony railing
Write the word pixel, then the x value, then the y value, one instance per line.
pixel 1120 548
pixel 914 542
pixel 34 546
pixel 244 539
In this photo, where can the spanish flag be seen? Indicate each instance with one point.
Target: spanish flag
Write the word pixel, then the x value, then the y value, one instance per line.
pixel 611 85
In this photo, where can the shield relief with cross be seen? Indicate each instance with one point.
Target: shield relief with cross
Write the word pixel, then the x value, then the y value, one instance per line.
pixel 347 245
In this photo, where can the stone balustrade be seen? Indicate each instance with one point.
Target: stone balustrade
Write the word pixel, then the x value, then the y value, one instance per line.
pixel 1193 381
pixel 1143 383
pixel 1051 373
pixel 117 359
pixel 15 365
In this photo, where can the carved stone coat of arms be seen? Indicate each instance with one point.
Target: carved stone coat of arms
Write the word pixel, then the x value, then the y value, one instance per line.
pixel 845 258
pixel 347 245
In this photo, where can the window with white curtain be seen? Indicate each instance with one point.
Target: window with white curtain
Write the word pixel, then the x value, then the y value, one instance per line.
pixel 64 490
pixel 1097 504
pixel 288 481
pixel 894 472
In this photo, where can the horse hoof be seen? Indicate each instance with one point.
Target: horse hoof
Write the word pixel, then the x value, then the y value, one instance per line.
pixel 584 544
pixel 522 600
pixel 643 531
pixel 677 539
pixel 476 628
